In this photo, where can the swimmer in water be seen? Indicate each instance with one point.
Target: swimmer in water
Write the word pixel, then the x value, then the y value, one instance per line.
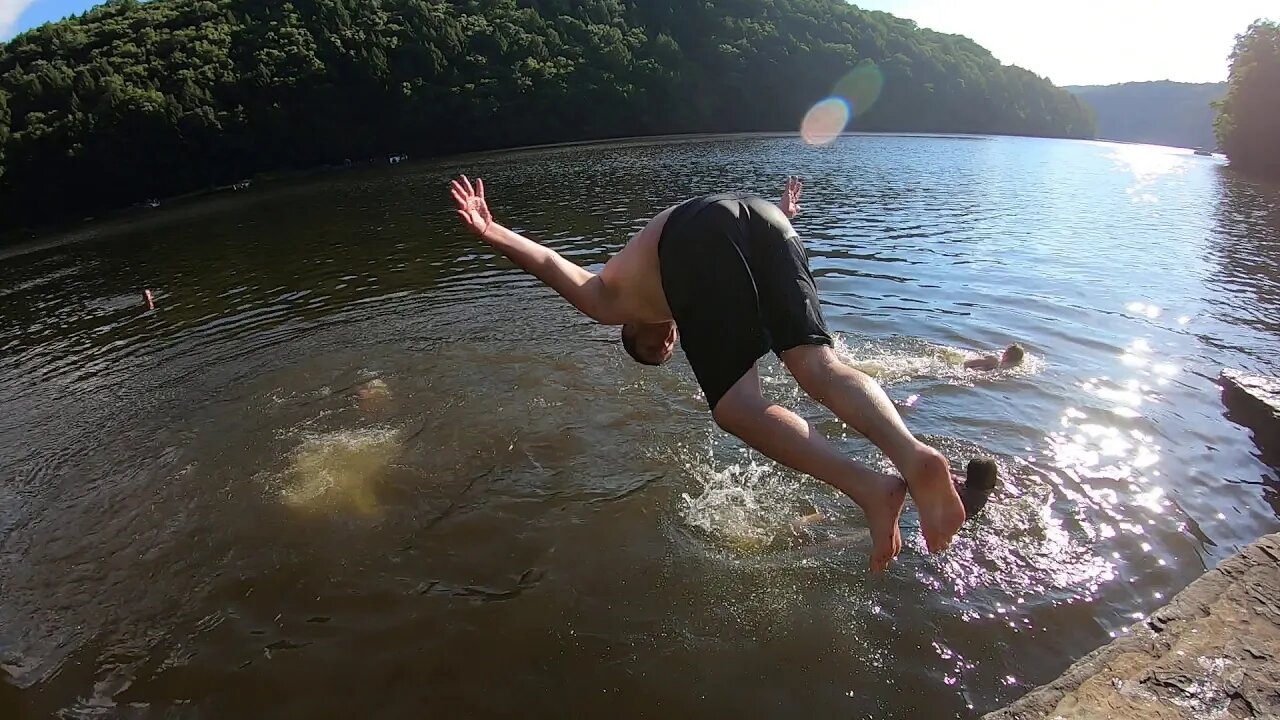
pixel 728 278
pixel 373 395
pixel 1011 357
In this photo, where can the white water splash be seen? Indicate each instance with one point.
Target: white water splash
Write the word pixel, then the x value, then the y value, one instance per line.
pixel 745 508
pixel 899 360
pixel 339 470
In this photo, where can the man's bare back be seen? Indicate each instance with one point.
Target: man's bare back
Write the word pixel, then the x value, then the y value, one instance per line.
pixel 634 278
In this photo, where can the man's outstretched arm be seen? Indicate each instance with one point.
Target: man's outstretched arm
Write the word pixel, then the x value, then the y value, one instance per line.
pixel 582 288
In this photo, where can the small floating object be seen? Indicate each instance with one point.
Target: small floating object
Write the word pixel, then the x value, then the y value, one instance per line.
pixel 1203 152
pixel 150 301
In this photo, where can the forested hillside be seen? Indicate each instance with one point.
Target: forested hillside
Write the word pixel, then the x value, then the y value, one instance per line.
pixel 1248 125
pixel 134 100
pixel 1161 113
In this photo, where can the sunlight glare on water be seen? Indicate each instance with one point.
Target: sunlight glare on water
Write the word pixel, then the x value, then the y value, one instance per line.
pixel 1147 164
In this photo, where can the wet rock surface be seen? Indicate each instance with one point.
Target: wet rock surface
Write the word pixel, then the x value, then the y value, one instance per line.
pixel 1254 401
pixel 1213 651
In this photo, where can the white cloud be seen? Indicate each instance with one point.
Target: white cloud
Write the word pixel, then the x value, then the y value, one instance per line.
pixel 10 11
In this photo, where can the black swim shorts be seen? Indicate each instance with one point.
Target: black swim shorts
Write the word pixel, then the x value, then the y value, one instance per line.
pixel 738 282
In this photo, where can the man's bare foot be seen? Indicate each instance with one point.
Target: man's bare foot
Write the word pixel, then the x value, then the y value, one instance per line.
pixel 883 506
pixel 941 512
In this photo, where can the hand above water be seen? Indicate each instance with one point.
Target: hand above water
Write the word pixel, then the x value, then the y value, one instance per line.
pixel 471 205
pixel 790 202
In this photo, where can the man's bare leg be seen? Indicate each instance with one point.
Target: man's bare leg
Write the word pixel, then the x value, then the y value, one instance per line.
pixel 785 437
pixel 861 403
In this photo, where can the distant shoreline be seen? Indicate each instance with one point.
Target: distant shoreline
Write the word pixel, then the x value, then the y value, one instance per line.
pixel 20 241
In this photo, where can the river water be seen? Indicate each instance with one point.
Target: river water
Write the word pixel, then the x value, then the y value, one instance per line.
pixel 353 464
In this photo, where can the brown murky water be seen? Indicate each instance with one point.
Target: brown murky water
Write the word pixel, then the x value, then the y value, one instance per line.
pixel 353 465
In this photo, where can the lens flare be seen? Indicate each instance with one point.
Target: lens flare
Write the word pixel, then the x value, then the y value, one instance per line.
pixel 861 87
pixel 825 121
pixel 853 94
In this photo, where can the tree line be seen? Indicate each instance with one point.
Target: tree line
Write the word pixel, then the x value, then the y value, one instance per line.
pixel 1161 113
pixel 133 100
pixel 1247 126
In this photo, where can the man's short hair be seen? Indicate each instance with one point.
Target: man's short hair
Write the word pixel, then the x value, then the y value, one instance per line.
pixel 1014 353
pixel 629 342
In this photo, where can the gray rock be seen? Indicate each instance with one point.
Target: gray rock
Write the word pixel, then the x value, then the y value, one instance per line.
pixel 1212 652
pixel 1254 401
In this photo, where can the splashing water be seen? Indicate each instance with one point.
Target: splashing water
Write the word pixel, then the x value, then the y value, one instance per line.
pixel 900 360
pixel 340 470
pixel 747 509
pixel 896 362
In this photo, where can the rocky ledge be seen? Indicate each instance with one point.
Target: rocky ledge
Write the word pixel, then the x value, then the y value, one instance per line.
pixel 1254 401
pixel 1212 652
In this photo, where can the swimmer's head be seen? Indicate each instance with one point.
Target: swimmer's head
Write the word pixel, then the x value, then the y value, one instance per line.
pixel 373 395
pixel 1013 355
pixel 649 343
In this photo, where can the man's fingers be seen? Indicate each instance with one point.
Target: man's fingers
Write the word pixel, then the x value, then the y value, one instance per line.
pixel 480 187
pixel 457 188
pixel 467 183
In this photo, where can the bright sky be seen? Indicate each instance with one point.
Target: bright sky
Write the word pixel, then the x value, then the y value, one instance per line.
pixel 1086 42
pixel 1096 42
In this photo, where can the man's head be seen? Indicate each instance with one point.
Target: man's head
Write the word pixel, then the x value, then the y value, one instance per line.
pixel 649 343
pixel 1012 355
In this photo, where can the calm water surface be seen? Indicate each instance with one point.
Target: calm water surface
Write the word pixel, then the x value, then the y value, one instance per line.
pixel 354 464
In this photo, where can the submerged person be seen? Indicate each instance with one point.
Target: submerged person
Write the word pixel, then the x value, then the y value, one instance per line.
pixel 373 395
pixel 1011 357
pixel 727 276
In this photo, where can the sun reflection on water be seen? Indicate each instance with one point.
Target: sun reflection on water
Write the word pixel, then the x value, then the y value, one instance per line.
pixel 1147 164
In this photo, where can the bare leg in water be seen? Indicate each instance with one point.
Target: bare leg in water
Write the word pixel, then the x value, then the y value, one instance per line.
pixel 785 437
pixel 860 402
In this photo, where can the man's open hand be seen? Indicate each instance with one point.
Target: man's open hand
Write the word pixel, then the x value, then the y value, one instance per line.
pixel 471 205
pixel 790 202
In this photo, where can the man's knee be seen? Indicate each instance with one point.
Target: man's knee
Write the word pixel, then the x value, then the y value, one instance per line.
pixel 737 408
pixel 728 415
pixel 810 365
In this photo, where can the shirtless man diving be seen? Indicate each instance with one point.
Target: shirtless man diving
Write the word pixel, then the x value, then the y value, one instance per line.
pixel 728 277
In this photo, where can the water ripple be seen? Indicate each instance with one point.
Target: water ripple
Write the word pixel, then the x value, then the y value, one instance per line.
pixel 346 429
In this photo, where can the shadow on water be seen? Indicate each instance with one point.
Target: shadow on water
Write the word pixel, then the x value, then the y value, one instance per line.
pixel 1246 254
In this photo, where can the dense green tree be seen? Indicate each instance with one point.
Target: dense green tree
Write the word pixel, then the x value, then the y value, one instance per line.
pixel 139 99
pixel 1247 116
